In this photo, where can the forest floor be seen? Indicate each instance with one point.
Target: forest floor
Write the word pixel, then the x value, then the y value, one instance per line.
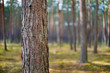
pixel 62 60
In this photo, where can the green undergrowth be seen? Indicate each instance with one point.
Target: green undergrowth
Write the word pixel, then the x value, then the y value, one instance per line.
pixel 61 59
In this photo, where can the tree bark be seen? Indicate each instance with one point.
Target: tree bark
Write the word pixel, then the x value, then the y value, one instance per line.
pixel 104 24
pixel 109 23
pixel 74 27
pixel 96 28
pixel 52 20
pixel 83 20
pixel 1 26
pixel 90 22
pixel 35 36
pixel 3 23
pixel 58 26
pixel 78 23
pixel 69 27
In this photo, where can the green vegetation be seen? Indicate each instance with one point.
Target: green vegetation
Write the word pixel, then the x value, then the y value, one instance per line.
pixel 62 60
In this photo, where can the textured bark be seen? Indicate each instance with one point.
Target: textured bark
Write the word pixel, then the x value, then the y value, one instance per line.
pixel 96 28
pixel 90 22
pixel 35 36
pixel 69 27
pixel 3 23
pixel 109 23
pixel 104 24
pixel 74 27
pixel 83 56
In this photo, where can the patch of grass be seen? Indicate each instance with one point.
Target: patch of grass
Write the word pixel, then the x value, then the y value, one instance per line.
pixel 61 59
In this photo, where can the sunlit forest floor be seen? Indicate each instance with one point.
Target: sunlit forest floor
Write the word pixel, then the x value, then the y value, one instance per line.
pixel 62 60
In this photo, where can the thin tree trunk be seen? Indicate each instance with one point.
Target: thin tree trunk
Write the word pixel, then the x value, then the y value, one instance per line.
pixel 83 22
pixel 90 22
pixel 104 23
pixel 78 22
pixel 58 26
pixel 62 26
pixel 35 36
pixel 1 26
pixel 52 20
pixel 109 23
pixel 3 23
pixel 96 28
pixel 74 27
pixel 69 27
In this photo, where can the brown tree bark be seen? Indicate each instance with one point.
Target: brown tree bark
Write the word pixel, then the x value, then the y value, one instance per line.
pixel 69 27
pixel 78 23
pixel 96 28
pixel 74 27
pixel 104 23
pixel 52 20
pixel 58 26
pixel 90 22
pixel 3 23
pixel 109 23
pixel 83 22
pixel 35 36
pixel 1 26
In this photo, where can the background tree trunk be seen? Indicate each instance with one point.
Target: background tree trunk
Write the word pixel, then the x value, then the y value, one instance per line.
pixel 3 23
pixel 96 28
pixel 1 26
pixel 58 26
pixel 90 22
pixel 104 23
pixel 69 27
pixel 52 20
pixel 74 27
pixel 78 23
pixel 83 56
pixel 35 36
pixel 109 23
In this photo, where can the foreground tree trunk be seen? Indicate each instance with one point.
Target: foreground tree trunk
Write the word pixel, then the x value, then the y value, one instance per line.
pixel 69 27
pixel 74 27
pixel 96 28
pixel 3 23
pixel 109 23
pixel 35 36
pixel 83 57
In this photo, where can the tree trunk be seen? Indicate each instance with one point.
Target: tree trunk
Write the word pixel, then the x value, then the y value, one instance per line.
pixel 69 27
pixel 1 26
pixel 109 23
pixel 90 22
pixel 58 26
pixel 74 27
pixel 96 28
pixel 3 23
pixel 104 23
pixel 78 23
pixel 52 20
pixel 83 57
pixel 35 36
